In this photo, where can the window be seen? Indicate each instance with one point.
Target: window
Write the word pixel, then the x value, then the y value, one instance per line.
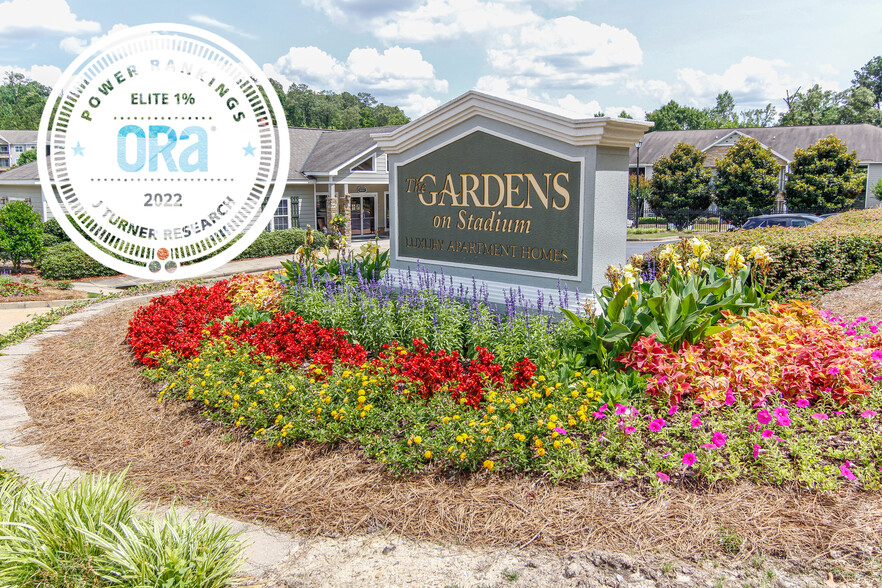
pixel 19 148
pixel 281 218
pixel 366 165
pixel 4 163
pixel 4 148
pixel 800 222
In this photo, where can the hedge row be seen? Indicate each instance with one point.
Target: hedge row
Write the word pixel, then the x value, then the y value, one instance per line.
pixel 820 258
pixel 66 261
pixel 281 243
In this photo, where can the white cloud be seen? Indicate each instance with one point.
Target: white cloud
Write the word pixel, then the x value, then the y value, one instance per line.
pixel 45 74
pixel 77 45
pixel 213 22
pixel 24 18
pixel 445 20
pixel 565 53
pixel 398 76
pixel 751 81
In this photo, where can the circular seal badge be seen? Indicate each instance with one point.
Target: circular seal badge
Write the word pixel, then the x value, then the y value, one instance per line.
pixel 158 151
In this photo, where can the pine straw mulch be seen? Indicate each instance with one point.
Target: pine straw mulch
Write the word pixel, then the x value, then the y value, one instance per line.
pixel 861 299
pixel 91 407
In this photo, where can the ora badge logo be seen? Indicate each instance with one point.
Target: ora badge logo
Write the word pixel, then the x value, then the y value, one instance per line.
pixel 158 151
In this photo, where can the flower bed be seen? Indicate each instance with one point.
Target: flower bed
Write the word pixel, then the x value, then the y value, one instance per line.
pixel 285 379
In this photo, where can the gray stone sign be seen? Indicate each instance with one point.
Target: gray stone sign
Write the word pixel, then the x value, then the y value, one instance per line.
pixel 513 194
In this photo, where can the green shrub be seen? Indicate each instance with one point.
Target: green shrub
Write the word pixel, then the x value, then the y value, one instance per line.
pixel 50 240
pixel 281 243
pixel 21 233
pixel 68 262
pixel 91 534
pixel 810 261
pixel 53 227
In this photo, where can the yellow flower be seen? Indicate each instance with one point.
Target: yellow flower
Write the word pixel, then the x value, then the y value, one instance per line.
pixel 540 452
pixel 428 454
pixel 700 248
pixel 417 439
pixel 488 463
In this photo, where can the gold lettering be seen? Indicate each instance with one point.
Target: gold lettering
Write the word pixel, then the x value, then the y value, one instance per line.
pixel 500 184
pixel 511 188
pixel 543 196
pixel 462 220
pixel 469 191
pixel 434 194
pixel 449 189
pixel 561 190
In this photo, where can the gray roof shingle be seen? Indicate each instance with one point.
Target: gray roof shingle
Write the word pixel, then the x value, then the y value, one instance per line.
pixel 864 138
pixel 19 137
pixel 28 171
pixel 335 148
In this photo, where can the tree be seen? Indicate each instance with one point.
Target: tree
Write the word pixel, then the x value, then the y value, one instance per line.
pixel 26 157
pixel 681 185
pixel 747 180
pixel 870 77
pixel 327 110
pixel 21 102
pixel 859 106
pixel 815 106
pixel 624 114
pixel 21 233
pixel 673 117
pixel 823 177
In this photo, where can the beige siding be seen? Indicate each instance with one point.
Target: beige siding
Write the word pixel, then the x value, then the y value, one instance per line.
pixel 874 174
pixel 30 193
pixel 307 203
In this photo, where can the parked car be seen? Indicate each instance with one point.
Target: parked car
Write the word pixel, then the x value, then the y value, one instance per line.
pixel 781 220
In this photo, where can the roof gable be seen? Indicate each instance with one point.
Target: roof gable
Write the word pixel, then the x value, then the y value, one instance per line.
pixel 19 137
pixel 866 139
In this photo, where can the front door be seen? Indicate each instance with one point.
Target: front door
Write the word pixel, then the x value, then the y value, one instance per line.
pixel 364 217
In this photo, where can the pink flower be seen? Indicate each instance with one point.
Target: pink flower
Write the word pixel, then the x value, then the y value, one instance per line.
pixel 802 403
pixel 730 398
pixel 767 433
pixel 820 416
pixel 876 355
pixel 850 332
pixel 603 407
pixel 663 476
pixel 868 414
pixel 833 371
pixel 621 409
pixel 695 422
pixel 843 469
pixel 689 459
pixel 783 421
pixel 781 412
pixel 838 412
pixel 757 450
pixel 560 431
pixel 598 415
pixel 719 439
pixel 629 430
pixel 673 410
pixel 657 425
pixel 764 417
pixel 707 446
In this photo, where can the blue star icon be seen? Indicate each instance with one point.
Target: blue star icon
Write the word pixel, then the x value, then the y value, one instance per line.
pixel 78 150
pixel 249 150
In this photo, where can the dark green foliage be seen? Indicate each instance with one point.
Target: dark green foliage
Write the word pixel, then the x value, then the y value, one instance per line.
pixel 68 262
pixel 673 117
pixel 823 176
pixel 870 77
pixel 53 227
pixel 281 243
pixel 680 184
pixel 26 157
pixel 747 180
pixel 21 233
pixel 326 110
pixel 21 102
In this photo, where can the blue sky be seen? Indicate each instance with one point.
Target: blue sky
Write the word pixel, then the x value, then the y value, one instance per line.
pixel 583 55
